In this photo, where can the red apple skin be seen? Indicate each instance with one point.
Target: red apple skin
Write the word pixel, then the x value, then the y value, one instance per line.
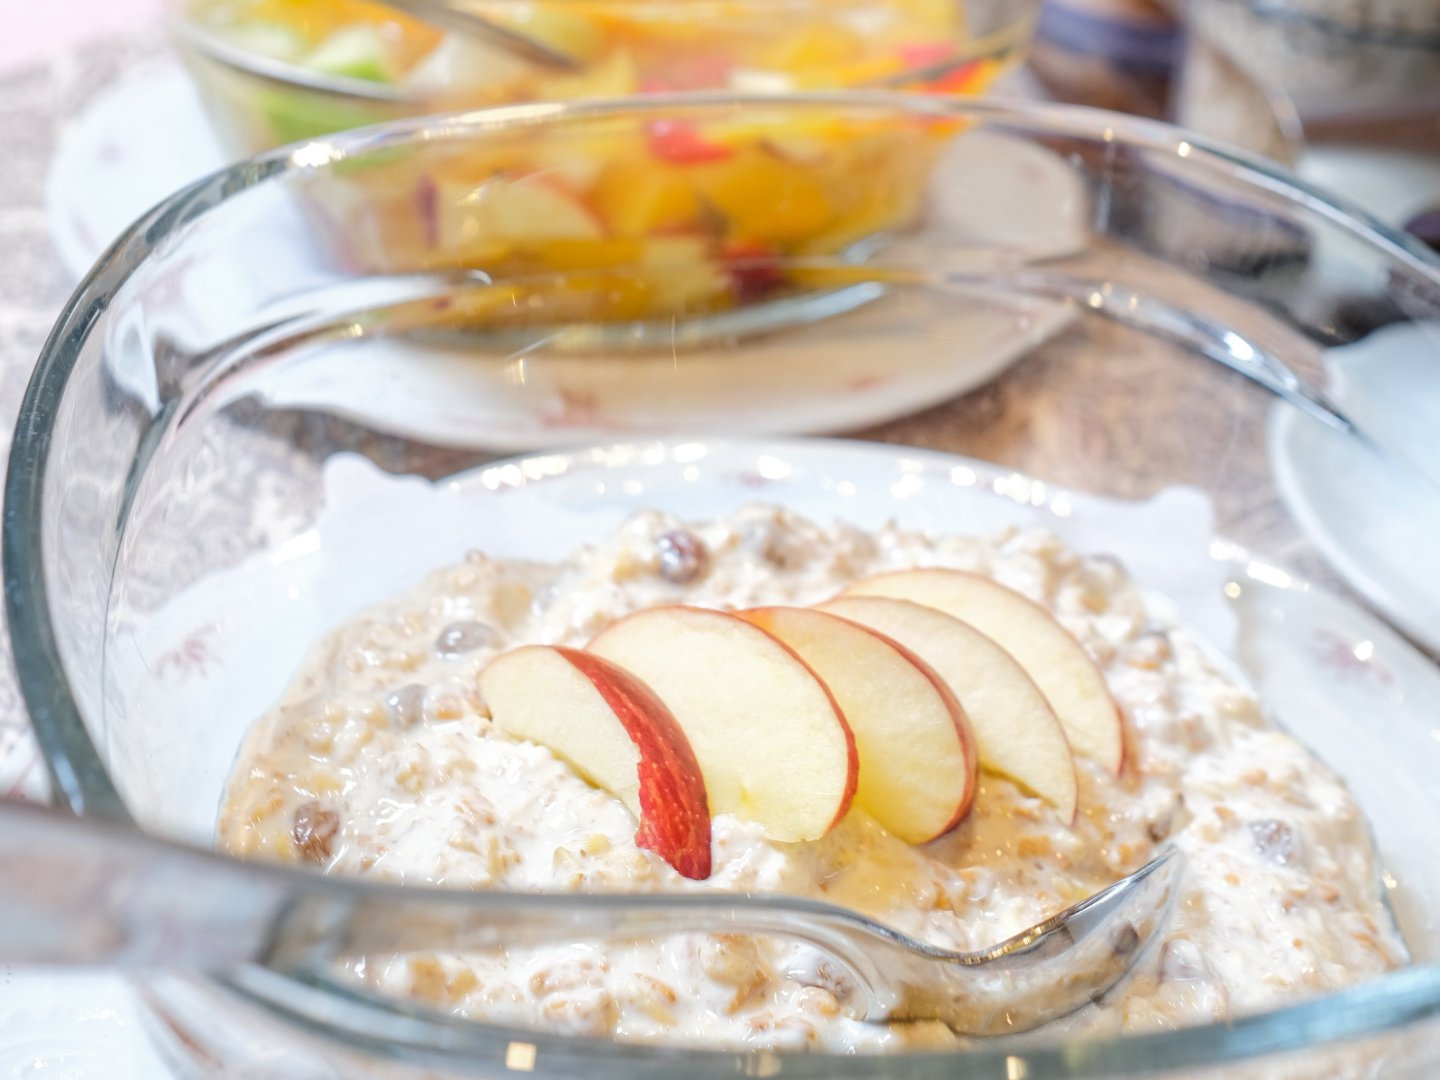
pixel 674 808
pixel 852 780
pixel 968 747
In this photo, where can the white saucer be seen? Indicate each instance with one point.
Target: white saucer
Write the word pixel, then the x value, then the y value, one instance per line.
pixel 143 137
pixel 1374 511
pixel 894 356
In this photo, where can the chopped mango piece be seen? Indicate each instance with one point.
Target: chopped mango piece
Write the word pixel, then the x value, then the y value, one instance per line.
pixel 638 197
pixel 587 254
pixel 815 45
pixel 566 31
pixel 613 77
pixel 764 198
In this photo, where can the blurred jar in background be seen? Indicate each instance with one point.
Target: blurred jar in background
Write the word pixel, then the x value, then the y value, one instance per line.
pixel 1364 77
pixel 1137 56
pixel 1111 54
pixel 1333 58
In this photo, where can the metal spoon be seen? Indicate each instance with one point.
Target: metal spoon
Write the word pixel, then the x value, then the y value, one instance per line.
pixel 79 892
pixel 447 17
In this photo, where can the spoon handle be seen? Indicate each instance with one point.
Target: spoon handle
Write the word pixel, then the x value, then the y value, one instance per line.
pixel 80 892
pixel 74 892
pixel 440 13
pixel 83 892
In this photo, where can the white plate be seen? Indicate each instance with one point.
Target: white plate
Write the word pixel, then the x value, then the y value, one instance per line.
pixel 1374 513
pixel 894 356
pixel 147 135
pixel 140 139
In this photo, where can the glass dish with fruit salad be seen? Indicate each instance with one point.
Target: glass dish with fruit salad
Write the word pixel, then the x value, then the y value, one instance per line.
pixel 694 216
pixel 643 221
pixel 1096 533
pixel 955 735
pixel 276 71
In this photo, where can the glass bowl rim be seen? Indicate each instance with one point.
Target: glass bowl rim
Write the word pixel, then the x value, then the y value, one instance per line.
pixel 288 74
pixel 83 785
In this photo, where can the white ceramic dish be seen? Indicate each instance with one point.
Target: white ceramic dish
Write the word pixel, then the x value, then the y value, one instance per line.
pixel 1375 516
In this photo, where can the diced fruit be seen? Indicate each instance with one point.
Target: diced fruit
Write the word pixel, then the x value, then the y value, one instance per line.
pixel 755 81
pixel 969 78
pixel 357 52
pixel 771 741
pixel 616 733
pixel 680 143
pixel 267 39
pixel 639 197
pixel 918 765
pixel 294 114
pixel 816 45
pixel 920 54
pixel 499 210
pixel 1017 733
pixel 1058 663
pixel 613 77
pixel 588 253
pixel 460 65
pixel 676 273
pixel 754 271
pixel 682 274
pixel 797 148
pixel 764 198
pixel 568 33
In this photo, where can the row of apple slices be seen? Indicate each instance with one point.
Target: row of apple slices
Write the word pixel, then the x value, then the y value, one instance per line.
pixel 890 696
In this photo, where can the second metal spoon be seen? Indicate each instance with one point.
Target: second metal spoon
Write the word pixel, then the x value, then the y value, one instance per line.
pixel 77 892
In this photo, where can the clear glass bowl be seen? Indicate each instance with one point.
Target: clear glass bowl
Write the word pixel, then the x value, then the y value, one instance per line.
pixel 220 453
pixel 276 71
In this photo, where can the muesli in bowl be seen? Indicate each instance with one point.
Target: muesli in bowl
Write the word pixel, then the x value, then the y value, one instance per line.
pixel 764 704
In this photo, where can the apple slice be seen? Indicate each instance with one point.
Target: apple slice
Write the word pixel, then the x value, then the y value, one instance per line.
pixel 616 734
pixel 1057 662
pixel 773 745
pixel 522 210
pixel 356 52
pixel 1015 729
pixel 918 767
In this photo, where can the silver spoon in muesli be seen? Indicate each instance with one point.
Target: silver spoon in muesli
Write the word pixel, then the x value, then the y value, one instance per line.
pixel 84 893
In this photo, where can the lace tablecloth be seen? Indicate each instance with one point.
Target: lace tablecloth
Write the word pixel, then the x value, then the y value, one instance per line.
pixel 81 1026
pixel 35 102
